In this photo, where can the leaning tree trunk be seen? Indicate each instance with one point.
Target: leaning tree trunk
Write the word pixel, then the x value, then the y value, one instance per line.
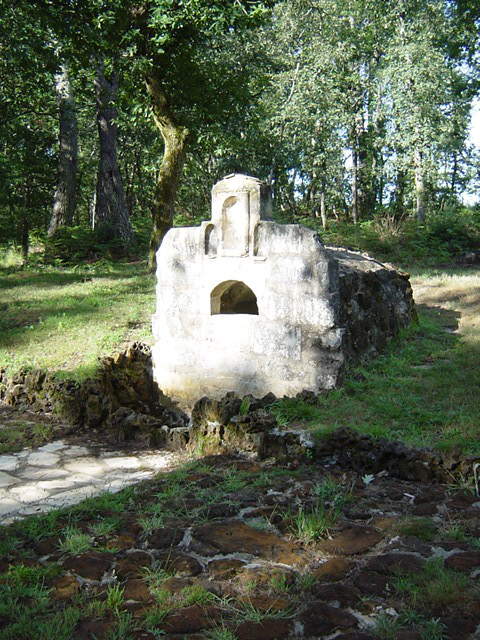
pixel 111 213
pixel 175 141
pixel 64 199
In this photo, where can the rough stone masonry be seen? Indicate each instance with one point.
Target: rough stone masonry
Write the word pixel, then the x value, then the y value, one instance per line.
pixel 248 305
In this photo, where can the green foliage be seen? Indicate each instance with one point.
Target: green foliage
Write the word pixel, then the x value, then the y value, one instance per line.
pixel 71 245
pixel 309 524
pixel 447 235
pixel 434 586
pixel 75 541
pixel 421 528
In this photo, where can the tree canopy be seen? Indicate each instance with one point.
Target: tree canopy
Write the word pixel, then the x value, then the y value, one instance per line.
pixel 351 109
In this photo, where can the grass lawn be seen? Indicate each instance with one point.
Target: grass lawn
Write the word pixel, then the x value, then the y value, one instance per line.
pixel 425 390
pixel 63 319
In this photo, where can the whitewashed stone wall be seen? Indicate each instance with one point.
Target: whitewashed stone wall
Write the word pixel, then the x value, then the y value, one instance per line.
pixel 248 305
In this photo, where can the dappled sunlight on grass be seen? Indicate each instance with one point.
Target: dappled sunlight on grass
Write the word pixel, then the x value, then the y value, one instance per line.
pixel 453 291
pixel 73 318
pixel 425 390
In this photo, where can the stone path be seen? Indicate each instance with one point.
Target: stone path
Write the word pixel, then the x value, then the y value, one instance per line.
pixel 60 474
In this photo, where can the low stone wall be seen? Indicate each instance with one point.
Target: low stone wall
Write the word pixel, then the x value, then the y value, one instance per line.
pixel 374 302
pixel 121 400
pixel 124 403
pixel 246 426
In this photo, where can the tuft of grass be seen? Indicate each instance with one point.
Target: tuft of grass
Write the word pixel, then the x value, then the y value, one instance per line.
pixel 151 522
pixel 155 579
pixel 75 541
pixel 233 480
pixel 434 586
pixel 103 527
pixel 219 632
pixel 312 523
pixel 421 528
pixel 115 598
pixel 245 406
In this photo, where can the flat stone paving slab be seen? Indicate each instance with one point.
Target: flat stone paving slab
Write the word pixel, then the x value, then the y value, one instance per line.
pixel 9 463
pixel 58 475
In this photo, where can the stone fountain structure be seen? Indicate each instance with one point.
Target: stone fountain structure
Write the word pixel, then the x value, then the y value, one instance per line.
pixel 249 305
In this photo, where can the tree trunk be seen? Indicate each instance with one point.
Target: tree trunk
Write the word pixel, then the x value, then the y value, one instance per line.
pixel 175 139
pixel 453 182
pixel 355 186
pixel 312 195
pixel 25 226
pixel 64 200
pixel 419 186
pixel 111 213
pixel 323 210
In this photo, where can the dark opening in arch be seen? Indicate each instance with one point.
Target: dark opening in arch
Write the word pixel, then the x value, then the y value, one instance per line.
pixel 233 296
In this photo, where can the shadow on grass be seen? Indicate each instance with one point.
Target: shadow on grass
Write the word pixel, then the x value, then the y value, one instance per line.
pixel 10 279
pixel 425 390
pixel 17 317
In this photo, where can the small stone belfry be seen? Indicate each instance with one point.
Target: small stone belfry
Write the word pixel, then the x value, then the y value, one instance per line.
pixel 248 305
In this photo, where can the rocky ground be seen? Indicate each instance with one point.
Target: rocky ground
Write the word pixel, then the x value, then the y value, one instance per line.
pixel 231 548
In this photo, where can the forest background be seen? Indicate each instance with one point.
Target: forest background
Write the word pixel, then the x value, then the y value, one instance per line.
pixel 117 118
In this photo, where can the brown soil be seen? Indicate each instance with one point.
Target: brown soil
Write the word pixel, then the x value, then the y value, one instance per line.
pixel 238 544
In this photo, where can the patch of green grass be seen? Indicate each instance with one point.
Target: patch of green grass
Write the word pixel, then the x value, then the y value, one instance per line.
pixel 19 434
pixel 402 394
pixel 63 319
pixel 123 626
pixel 434 586
pixel 386 627
pixel 233 480
pixel 421 528
pixel 219 632
pixel 24 597
pixel 289 411
pixel 154 618
pixel 38 527
pixel 75 541
pixel 103 527
pixel 155 578
pixel 119 502
pixel 96 609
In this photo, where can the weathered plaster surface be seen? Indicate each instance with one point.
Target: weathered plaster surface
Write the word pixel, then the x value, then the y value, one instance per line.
pixel 298 339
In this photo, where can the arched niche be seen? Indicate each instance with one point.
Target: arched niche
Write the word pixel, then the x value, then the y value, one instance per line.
pixel 235 226
pixel 211 240
pixel 233 297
